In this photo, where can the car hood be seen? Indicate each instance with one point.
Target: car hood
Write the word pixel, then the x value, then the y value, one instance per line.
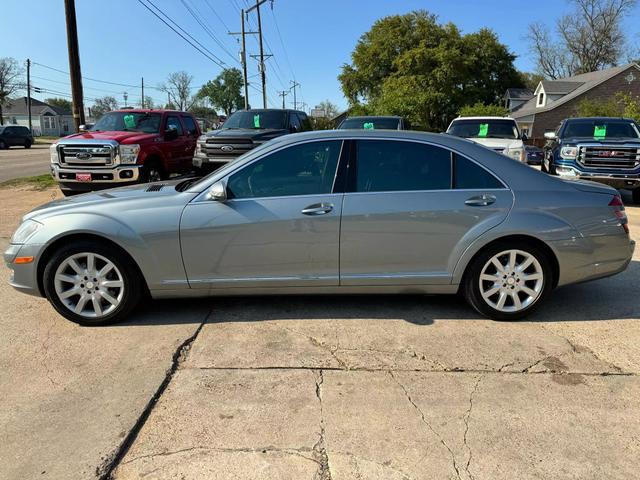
pixel 120 137
pixel 495 143
pixel 258 134
pixel 112 200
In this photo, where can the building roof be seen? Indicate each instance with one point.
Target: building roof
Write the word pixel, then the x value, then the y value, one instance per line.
pixel 576 86
pixel 519 93
pixel 18 106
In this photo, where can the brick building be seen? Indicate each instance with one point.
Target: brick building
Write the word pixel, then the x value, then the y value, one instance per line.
pixel 555 100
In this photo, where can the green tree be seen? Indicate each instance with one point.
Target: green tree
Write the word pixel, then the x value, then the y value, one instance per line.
pixel 531 80
pixel 59 102
pixel 103 105
pixel 224 92
pixel 481 110
pixel 10 81
pixel 411 65
pixel 623 105
pixel 330 109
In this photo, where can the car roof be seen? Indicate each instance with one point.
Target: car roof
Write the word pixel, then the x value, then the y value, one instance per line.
pixel 488 117
pixel 148 110
pixel 285 110
pixel 373 116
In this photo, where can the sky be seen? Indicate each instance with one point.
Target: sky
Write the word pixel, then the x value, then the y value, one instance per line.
pixel 121 41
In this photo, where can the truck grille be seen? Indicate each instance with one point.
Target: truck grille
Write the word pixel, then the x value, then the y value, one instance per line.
pixel 623 158
pixel 87 156
pixel 227 147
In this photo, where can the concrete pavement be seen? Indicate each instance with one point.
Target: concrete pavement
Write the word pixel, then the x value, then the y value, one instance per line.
pixel 322 387
pixel 21 162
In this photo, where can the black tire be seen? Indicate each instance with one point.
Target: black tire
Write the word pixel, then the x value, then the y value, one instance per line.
pixel 131 279
pixel 543 167
pixel 471 280
pixel 152 171
pixel 27 144
pixel 3 145
pixel 636 195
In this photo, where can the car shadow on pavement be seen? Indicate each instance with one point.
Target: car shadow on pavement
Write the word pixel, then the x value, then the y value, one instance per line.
pixel 612 298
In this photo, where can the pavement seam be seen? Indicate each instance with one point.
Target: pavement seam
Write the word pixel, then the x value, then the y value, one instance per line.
pixel 105 471
pixel 424 420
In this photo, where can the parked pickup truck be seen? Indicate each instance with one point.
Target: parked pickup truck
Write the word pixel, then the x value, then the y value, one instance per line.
pixel 602 149
pixel 124 147
pixel 243 131
pixel 500 134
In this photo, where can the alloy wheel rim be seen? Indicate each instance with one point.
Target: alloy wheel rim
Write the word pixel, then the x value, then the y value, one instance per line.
pixel 154 175
pixel 511 281
pixel 89 285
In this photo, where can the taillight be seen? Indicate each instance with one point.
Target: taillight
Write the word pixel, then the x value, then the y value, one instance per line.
pixel 620 214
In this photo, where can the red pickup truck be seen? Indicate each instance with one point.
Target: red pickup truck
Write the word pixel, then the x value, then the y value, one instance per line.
pixel 123 147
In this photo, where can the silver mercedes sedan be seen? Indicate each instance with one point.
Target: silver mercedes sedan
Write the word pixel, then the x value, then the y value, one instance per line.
pixel 327 212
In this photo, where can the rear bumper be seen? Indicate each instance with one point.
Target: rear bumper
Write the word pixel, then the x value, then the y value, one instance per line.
pixel 590 258
pixel 100 178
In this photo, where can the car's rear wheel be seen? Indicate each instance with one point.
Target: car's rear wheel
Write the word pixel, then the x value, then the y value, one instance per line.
pixel 92 284
pixel 27 144
pixel 505 282
pixel 3 145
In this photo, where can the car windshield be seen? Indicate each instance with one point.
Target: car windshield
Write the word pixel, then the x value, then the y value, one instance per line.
pixel 128 122
pixel 257 120
pixel 601 129
pixel 484 128
pixel 370 123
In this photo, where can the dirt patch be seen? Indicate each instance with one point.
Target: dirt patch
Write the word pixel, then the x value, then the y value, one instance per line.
pixel 16 201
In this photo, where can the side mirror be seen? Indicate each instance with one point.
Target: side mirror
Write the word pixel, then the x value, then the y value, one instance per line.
pixel 171 133
pixel 218 191
pixel 83 128
pixel 550 135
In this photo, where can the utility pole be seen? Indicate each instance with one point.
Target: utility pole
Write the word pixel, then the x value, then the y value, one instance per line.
pixel 294 84
pixel 29 92
pixel 125 95
pixel 243 57
pixel 283 94
pixel 74 63
pixel 262 69
pixel 142 83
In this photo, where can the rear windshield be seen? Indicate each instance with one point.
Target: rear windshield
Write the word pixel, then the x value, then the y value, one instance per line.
pixel 484 128
pixel 601 129
pixel 372 123
pixel 257 120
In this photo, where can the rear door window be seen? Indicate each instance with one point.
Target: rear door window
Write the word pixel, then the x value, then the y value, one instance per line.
pixel 294 122
pixel 190 125
pixel 387 166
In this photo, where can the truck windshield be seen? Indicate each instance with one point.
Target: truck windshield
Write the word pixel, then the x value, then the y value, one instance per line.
pixel 596 128
pixel 128 122
pixel 257 120
pixel 484 128
pixel 370 123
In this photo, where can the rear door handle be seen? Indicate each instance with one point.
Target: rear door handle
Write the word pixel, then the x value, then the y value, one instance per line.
pixel 318 209
pixel 480 201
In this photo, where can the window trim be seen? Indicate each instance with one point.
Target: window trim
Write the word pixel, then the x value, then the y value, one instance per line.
pixel 166 124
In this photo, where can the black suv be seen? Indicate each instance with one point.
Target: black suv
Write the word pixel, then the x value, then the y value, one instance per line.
pixel 243 131
pixel 15 136
pixel 602 149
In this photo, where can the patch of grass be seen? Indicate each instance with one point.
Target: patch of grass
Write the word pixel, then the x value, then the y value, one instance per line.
pixel 39 182
pixel 46 139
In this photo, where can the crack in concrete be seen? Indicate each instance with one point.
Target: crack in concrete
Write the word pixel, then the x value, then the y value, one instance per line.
pixel 466 419
pixel 317 343
pixel 111 462
pixel 320 448
pixel 384 465
pixel 424 420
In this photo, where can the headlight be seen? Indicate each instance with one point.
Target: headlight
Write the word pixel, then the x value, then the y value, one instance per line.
pixel 53 153
pixel 25 231
pixel 569 152
pixel 516 154
pixel 129 153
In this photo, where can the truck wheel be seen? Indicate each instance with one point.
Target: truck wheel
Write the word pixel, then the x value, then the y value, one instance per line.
pixel 152 172
pixel 2 145
pixel 27 144
pixel 636 195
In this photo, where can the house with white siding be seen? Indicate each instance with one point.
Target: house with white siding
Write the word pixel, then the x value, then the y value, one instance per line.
pixel 45 119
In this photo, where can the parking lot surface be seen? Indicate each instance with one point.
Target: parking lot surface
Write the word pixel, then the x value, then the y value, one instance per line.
pixel 18 162
pixel 393 387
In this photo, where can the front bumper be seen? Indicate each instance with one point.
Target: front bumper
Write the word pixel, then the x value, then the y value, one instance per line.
pixel 200 161
pixel 23 276
pixel 116 176
pixel 614 179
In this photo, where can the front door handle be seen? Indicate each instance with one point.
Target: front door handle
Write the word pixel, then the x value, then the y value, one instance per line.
pixel 318 209
pixel 480 201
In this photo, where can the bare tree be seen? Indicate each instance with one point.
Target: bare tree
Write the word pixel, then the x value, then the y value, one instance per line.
pixel 10 81
pixel 178 87
pixel 589 38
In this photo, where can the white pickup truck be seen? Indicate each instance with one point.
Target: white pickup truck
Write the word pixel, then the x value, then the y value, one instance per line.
pixel 497 133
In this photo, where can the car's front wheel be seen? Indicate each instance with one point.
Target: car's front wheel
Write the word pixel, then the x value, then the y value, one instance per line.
pixel 92 284
pixel 508 282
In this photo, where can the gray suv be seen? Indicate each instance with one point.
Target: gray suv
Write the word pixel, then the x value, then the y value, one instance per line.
pixel 15 136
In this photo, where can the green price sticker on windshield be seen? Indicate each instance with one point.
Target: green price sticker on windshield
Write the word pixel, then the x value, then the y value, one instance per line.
pixel 129 121
pixel 483 131
pixel 599 131
pixel 368 126
pixel 256 121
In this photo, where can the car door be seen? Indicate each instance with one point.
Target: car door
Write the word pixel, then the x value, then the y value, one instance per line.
pixel 279 226
pixel 192 133
pixel 11 137
pixel 410 210
pixel 175 146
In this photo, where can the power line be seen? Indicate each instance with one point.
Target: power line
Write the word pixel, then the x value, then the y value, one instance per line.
pixel 218 16
pixel 286 56
pixel 204 51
